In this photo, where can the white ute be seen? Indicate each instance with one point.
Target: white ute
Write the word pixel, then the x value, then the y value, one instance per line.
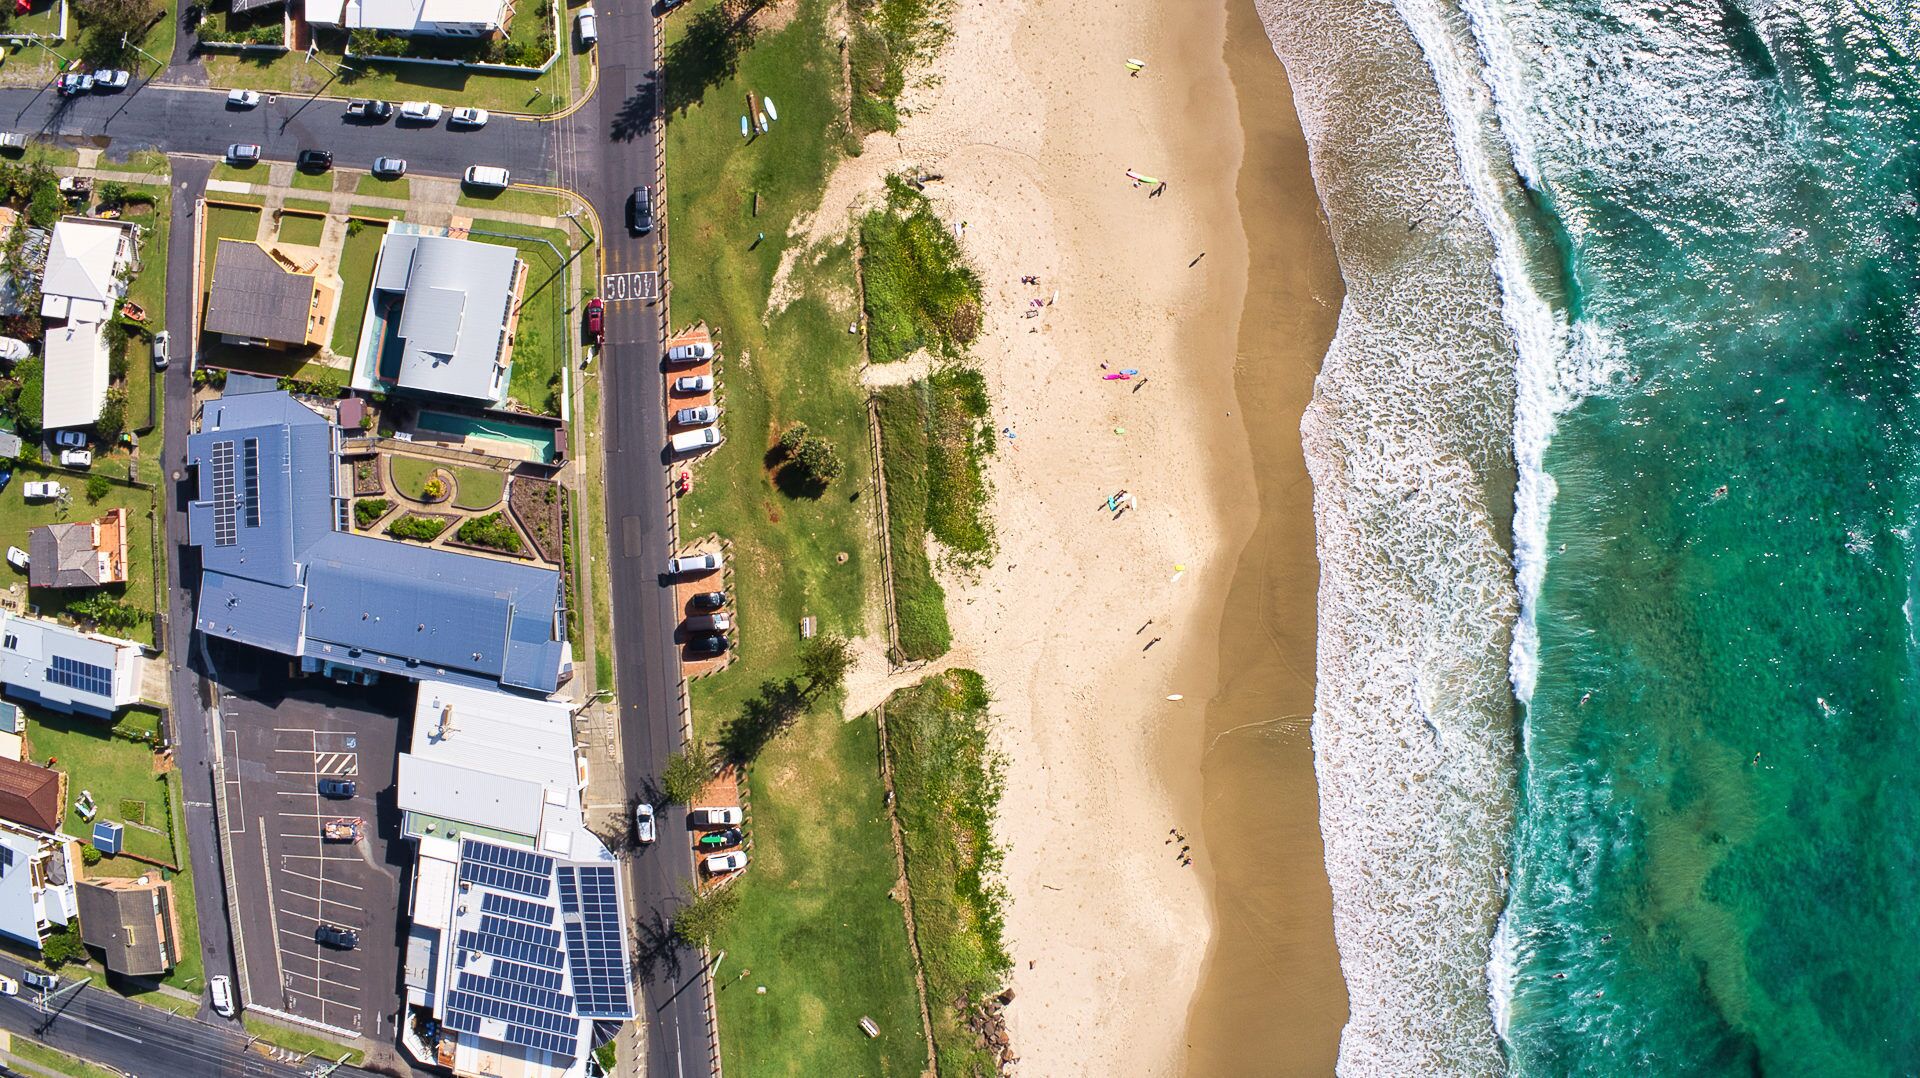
pixel 695 441
pixel 687 563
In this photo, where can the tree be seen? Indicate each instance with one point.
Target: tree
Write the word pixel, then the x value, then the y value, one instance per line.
pixel 46 206
pixel 705 915
pixel 791 438
pixel 687 771
pixel 108 20
pixel 113 415
pixel 824 662
pixel 106 611
pixel 27 403
pixel 63 946
pixel 819 461
pixel 97 486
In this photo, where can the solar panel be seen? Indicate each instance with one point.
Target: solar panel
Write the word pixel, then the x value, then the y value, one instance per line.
pixel 505 868
pixel 596 944
pixel 530 1027
pixel 517 908
pixel 86 677
pixel 250 480
pixel 224 532
pixel 506 857
pixel 515 992
pixel 516 950
pixel 506 970
pixel 520 931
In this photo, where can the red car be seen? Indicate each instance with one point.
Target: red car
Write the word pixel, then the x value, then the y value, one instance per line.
pixel 596 320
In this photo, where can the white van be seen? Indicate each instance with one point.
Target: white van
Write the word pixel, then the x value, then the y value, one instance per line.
pixel 589 26
pixel 488 176
pixel 694 441
pixel 221 988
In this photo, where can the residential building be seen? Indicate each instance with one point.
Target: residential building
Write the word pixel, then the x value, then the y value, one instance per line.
pixel 85 554
pixel 64 669
pixel 455 300
pixel 416 18
pixel 518 944
pixel 88 263
pixel 131 923
pixel 282 569
pixel 267 298
pixel 38 864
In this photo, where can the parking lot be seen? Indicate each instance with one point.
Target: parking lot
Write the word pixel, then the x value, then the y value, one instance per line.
pixel 283 737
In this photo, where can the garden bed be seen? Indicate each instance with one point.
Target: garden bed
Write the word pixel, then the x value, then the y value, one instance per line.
pixel 413 526
pixel 535 504
pixel 366 478
pixel 493 533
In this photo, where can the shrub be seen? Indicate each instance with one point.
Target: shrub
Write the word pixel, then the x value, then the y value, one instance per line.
pixel 113 415
pixel 63 946
pixel 417 528
pixel 434 489
pixel 97 487
pixel 374 43
pixel 368 510
pixel 106 611
pixel 90 856
pixel 46 205
pixel 705 915
pixel 111 193
pixel 687 771
pixel 819 462
pixel 791 438
pixel 491 531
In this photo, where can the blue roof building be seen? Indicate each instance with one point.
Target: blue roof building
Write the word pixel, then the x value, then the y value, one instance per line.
pixel 283 571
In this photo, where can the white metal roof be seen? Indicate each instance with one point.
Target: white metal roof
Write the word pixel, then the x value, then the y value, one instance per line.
pixel 76 375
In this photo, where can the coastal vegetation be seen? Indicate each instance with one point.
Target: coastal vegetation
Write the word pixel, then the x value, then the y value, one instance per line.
pixel 919 602
pixel 889 36
pixel 919 291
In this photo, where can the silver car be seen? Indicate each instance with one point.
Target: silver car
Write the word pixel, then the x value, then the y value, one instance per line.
pixel 244 153
pixel 697 417
pixel 643 823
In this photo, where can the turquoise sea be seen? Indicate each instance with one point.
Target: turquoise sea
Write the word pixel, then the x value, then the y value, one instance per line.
pixel 1716 865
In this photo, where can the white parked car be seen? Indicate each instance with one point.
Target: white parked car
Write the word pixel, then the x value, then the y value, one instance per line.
pixel 686 563
pixel 221 988
pixel 693 383
pixel 70 439
pixel 424 112
pixel 643 822
pixel 44 491
pixel 697 417
pixel 728 816
pixel 162 350
pixel 112 78
pixel 488 176
pixel 589 26
pixel 722 863
pixel 696 441
pixel 9 986
pixel 243 99
pixel 18 558
pixel 76 458
pixel 696 352
pixel 466 117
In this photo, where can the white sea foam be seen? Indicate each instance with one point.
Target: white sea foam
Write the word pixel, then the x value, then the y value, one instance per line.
pixel 1408 440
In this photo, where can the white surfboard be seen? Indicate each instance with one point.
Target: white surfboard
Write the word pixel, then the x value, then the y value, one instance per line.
pixel 743 127
pixel 771 114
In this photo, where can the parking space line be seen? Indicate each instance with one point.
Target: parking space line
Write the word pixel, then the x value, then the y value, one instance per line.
pixel 317 879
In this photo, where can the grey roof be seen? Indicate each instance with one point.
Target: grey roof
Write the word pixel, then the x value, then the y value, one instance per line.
pixel 130 925
pixel 288 581
pixel 468 794
pixel 253 295
pixel 453 318
pixel 62 556
pixel 10 444
pixel 30 648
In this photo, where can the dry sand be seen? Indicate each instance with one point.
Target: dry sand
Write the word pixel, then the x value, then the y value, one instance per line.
pixel 1087 623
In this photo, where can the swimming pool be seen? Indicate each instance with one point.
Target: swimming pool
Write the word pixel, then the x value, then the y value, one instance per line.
pixel 537 439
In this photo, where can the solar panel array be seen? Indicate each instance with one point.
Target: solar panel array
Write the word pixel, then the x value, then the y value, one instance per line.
pixel 508 948
pixel 224 531
pixel 596 956
pixel 250 480
pixel 85 677
pixel 505 868
pixel 517 908
pixel 526 1026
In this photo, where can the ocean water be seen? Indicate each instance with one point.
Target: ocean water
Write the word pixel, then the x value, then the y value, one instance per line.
pixel 1715 865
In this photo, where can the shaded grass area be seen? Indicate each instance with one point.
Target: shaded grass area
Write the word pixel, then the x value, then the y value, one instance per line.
pixel 312 205
pixel 117 772
pixel 149 287
pixel 301 228
pixel 358 253
pixel 313 181
pixel 830 943
pixel 947 783
pixel 290 72
pixel 919 602
pixel 296 1041
pixel 384 213
pixel 920 293
pixel 542 343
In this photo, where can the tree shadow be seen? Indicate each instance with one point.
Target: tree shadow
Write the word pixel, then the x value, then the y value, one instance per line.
pixel 709 53
pixel 796 482
pixel 761 719
pixel 655 950
pixel 635 113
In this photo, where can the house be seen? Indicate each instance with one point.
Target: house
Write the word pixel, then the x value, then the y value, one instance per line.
pixel 416 18
pixel 262 298
pixel 79 555
pixel 282 570
pixel 456 309
pixel 88 263
pixel 510 889
pixel 37 861
pixel 64 669
pixel 131 924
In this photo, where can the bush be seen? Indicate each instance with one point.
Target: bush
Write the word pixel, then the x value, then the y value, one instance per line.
pixel 368 510
pixel 113 415
pixel 434 489
pixel 374 43
pixel 417 528
pixel 492 531
pixel 791 438
pixel 106 611
pixel 90 855
pixel 63 946
pixel 687 771
pixel 46 205
pixel 97 487
pixel 111 193
pixel 819 462
pixel 705 915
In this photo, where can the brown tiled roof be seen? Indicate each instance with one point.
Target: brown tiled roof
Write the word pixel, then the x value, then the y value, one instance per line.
pixel 130 923
pixel 30 794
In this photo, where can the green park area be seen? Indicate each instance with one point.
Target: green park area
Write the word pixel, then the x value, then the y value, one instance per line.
pixel 303 229
pixel 473 488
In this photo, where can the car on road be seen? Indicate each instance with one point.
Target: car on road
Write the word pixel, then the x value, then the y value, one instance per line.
pixel 314 160
pixel 420 112
pixel 242 99
pixel 643 822
pixel 9 986
pixel 162 349
pixel 18 558
pixel 720 840
pixel 693 383
pixel 468 117
pixel 717 816
pixel 596 319
pixel 112 78
pixel 73 84
pixel 640 210
pixel 389 166
pixel 707 646
pixel 705 562
pixel 244 153
pixel 696 441
pixel 76 458
pixel 370 111
pixel 46 982
pixel 43 491
pixel 697 352
pixel 221 989
pixel 696 417
pixel 710 600
pixel 720 864
pixel 13 140
pixel 709 623
pixel 589 23
pixel 337 788
pixel 488 176
pixel 70 439
pixel 336 936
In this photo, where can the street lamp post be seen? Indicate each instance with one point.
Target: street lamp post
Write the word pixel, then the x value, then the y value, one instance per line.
pixel 127 43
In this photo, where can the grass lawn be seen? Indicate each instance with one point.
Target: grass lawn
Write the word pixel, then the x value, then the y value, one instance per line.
pixel 313 181
pixel 474 488
pixel 301 228
pixel 258 173
pixel 543 342
pixel 596 524
pixel 357 256
pixel 149 161
pixel 381 213
pixel 816 923
pixel 308 205
pixel 149 288
pixel 18 516
pixel 369 184
pixel 297 1041
pixel 516 200
pixel 226 223
pixel 947 784
pixel 119 773
pixel 55 1060
pixel 919 603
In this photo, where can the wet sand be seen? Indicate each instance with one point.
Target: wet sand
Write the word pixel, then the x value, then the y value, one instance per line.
pixel 1271 999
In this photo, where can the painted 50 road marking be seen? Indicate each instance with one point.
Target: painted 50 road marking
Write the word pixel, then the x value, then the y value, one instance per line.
pixel 623 286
